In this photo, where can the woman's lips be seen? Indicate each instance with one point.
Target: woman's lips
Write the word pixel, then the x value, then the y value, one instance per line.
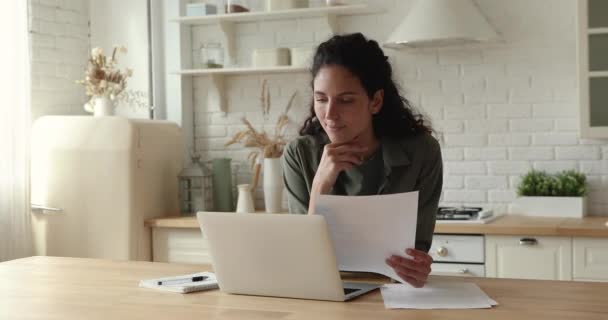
pixel 334 128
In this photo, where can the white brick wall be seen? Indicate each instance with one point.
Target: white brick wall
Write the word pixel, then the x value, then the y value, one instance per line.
pixel 59 31
pixel 503 108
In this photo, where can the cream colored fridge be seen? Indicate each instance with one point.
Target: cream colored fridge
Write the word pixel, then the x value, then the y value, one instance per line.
pixel 96 179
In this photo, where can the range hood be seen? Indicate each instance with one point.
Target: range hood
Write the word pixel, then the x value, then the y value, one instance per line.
pixel 433 23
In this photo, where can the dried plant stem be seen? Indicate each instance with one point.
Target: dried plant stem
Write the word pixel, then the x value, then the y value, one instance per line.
pixel 256 176
pixel 267 102
pixel 263 98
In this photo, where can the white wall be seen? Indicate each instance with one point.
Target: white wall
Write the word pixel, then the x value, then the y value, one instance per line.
pixel 503 108
pixel 59 47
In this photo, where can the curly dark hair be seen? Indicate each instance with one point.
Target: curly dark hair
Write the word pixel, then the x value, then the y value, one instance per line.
pixel 366 60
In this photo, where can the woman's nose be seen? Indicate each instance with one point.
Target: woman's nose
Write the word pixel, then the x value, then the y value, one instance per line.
pixel 331 111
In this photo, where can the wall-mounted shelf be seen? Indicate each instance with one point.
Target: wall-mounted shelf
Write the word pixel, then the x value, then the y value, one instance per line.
pixel 598 74
pixel 215 93
pixel 239 71
pixel 597 30
pixel 227 21
pixel 277 15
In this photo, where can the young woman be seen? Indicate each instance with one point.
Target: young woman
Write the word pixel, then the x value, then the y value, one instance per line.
pixel 362 138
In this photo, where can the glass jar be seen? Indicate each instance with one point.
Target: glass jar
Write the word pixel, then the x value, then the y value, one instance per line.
pixel 212 55
pixel 236 6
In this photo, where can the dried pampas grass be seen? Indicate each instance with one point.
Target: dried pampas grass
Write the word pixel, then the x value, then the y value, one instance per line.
pixel 269 146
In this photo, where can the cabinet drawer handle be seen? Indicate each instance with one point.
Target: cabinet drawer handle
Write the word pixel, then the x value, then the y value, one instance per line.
pixel 442 251
pixel 37 208
pixel 528 241
pixel 460 272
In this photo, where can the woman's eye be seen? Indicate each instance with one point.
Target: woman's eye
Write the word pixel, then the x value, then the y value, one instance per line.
pixel 341 101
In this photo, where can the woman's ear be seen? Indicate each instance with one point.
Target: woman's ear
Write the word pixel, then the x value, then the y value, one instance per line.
pixel 377 101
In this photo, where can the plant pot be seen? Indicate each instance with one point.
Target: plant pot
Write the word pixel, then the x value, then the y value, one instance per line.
pixel 565 207
pixel 103 107
pixel 273 185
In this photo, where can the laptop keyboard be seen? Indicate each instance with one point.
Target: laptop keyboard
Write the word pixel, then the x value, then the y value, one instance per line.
pixel 349 291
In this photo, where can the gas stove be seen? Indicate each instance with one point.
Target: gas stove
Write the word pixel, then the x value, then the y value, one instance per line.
pixel 464 214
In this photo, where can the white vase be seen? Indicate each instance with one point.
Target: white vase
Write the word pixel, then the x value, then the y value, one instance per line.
pixel 244 203
pixel 273 185
pixel 103 106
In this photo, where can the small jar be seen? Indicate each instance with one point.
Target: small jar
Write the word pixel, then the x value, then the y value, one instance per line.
pixel 236 6
pixel 244 202
pixel 212 55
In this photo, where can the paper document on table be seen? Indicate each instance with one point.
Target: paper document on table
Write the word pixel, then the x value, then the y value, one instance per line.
pixel 436 295
pixel 366 230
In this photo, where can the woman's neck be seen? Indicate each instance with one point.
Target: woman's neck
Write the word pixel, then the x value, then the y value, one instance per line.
pixel 370 141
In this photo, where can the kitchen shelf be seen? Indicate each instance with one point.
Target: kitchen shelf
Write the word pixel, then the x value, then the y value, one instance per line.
pixel 597 30
pixel 217 85
pixel 277 15
pixel 239 71
pixel 598 74
pixel 226 21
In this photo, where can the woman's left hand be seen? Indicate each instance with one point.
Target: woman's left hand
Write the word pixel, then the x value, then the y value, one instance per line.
pixel 413 271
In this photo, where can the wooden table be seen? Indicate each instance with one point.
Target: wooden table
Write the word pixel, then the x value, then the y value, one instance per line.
pixel 74 288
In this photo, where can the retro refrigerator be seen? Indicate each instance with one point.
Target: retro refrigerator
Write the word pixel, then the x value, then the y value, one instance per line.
pixel 95 180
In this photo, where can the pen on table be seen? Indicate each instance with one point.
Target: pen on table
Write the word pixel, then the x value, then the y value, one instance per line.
pixel 181 281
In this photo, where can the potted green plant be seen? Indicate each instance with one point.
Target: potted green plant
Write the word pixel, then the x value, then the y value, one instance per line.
pixel 548 195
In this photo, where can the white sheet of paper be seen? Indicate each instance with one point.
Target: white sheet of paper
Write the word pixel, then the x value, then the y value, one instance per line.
pixel 436 295
pixel 366 230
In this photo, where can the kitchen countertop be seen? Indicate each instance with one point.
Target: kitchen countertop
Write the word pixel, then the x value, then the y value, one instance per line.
pixel 503 225
pixel 526 225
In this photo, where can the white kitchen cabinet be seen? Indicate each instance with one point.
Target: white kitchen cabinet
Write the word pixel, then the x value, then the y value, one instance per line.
pixel 458 255
pixel 458 269
pixel 529 257
pixel 457 248
pixel 590 259
pixel 593 67
pixel 180 245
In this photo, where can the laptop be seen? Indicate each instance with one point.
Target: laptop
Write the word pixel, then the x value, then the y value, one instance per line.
pixel 277 255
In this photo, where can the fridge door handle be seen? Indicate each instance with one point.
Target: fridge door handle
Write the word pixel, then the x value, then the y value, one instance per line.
pixel 41 209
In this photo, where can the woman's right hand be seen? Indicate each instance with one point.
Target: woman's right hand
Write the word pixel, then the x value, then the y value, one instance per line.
pixel 336 157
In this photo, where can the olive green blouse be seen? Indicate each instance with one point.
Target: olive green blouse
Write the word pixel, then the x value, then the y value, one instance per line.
pixel 408 164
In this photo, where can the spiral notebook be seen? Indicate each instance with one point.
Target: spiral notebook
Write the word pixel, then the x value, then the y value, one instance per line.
pixel 182 283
